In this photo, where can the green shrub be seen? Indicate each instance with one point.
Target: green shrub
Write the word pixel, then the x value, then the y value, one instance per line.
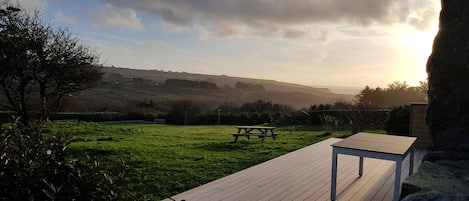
pixel 35 166
pixel 397 122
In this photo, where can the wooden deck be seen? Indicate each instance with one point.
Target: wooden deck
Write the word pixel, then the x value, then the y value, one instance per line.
pixel 304 174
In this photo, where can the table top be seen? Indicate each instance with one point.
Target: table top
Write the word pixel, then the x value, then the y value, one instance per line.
pixel 255 127
pixel 381 143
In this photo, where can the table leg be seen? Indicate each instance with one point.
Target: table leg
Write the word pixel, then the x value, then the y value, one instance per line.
pixel 272 133
pixel 334 174
pixel 397 181
pixel 360 167
pixel 236 137
pixel 411 161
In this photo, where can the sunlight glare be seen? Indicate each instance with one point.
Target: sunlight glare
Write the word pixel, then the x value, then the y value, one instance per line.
pixel 419 44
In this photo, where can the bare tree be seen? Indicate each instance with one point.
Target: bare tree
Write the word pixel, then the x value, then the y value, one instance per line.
pixel 360 115
pixel 40 64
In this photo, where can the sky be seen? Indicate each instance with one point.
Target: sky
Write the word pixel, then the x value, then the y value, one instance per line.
pixel 353 43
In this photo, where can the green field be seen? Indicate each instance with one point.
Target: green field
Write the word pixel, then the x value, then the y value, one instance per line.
pixel 164 160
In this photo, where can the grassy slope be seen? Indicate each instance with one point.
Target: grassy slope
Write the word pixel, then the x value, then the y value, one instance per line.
pixel 299 96
pixel 172 159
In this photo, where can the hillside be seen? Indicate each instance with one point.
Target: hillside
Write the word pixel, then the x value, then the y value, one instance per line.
pixel 131 90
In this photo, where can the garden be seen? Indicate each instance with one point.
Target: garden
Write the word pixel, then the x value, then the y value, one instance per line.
pixel 163 160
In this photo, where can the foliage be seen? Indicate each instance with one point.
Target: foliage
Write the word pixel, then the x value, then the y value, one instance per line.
pixel 36 166
pixel 139 82
pixel 423 89
pixel 321 107
pixel 257 112
pixel 329 123
pixel 343 115
pixel 398 120
pixel 90 116
pixel 39 64
pixel 249 86
pixel 397 93
pixel 190 84
pixel 171 159
pixel 183 111
pixel 361 116
pixel 262 106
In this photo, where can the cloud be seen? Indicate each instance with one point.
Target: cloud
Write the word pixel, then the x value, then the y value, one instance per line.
pixel 424 20
pixel 228 18
pixel 69 19
pixel 31 4
pixel 118 16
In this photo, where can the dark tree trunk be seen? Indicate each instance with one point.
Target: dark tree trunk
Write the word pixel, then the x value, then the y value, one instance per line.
pixel 448 74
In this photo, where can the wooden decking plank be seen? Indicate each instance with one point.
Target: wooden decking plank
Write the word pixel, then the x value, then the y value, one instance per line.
pixel 258 171
pixel 344 177
pixel 292 179
pixel 308 175
pixel 304 181
pixel 347 172
pixel 384 190
pixel 278 182
pixel 370 175
pixel 304 174
pixel 252 179
pixel 352 183
pixel 318 176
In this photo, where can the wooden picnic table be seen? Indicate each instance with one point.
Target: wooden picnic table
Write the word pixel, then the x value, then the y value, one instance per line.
pixel 386 147
pixel 260 131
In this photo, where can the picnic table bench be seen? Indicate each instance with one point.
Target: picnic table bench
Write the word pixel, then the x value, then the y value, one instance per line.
pixel 260 131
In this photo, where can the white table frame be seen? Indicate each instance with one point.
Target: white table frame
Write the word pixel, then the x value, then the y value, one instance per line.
pixel 398 158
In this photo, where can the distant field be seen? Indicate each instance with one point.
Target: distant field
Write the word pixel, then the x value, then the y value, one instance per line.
pixel 167 159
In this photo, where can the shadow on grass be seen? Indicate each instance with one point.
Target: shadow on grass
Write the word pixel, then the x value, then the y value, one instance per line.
pixel 326 134
pixel 344 136
pixel 91 152
pixel 107 157
pixel 100 154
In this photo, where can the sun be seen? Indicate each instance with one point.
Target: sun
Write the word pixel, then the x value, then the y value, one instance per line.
pixel 416 47
pixel 419 43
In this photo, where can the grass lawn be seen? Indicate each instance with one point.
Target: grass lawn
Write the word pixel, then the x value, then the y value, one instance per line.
pixel 165 159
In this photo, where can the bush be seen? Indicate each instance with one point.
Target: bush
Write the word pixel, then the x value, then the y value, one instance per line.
pixel 397 121
pixel 35 166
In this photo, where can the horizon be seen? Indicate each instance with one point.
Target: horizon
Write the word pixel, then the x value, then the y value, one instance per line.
pixel 345 90
pixel 364 43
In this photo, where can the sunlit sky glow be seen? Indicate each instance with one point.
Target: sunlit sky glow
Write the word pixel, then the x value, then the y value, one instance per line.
pixel 310 42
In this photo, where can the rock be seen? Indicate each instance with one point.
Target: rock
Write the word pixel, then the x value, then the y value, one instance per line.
pixel 427 196
pixel 448 70
pixel 408 189
pixel 435 196
pixel 444 155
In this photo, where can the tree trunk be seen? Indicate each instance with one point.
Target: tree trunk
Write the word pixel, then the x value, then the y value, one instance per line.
pixel 448 74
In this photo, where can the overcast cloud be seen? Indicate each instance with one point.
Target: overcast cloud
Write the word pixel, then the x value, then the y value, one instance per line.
pixel 120 16
pixel 321 42
pixel 292 18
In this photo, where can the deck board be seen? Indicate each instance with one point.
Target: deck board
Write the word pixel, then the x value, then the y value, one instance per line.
pixel 304 174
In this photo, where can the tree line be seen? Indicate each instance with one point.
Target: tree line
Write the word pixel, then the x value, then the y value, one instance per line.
pixel 397 93
pixel 39 65
pixel 116 79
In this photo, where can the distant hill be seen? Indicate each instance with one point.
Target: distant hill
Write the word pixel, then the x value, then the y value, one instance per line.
pixel 343 90
pixel 126 89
